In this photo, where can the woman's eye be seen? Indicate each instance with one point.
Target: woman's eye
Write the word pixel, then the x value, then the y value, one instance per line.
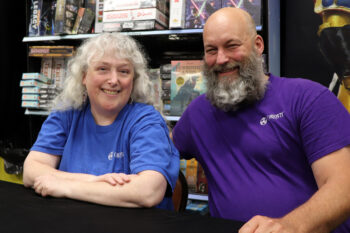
pixel 101 69
pixel 125 71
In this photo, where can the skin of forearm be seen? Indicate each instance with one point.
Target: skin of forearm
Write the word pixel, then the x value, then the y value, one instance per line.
pixel 324 211
pixel 136 193
pixel 33 169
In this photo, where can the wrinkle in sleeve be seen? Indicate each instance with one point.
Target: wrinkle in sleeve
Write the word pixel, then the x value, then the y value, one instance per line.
pixel 52 136
pixel 152 149
pixel 324 126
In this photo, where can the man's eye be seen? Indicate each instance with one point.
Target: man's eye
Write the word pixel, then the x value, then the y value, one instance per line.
pixel 233 46
pixel 210 51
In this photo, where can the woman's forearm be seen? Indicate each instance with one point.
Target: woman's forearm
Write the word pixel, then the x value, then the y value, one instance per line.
pixel 143 190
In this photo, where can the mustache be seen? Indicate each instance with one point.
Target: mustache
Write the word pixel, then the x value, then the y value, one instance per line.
pixel 225 67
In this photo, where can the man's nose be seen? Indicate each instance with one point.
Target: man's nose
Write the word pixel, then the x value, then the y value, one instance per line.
pixel 221 58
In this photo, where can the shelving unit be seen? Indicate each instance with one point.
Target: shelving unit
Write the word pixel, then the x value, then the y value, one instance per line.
pixel 198 197
pixel 134 33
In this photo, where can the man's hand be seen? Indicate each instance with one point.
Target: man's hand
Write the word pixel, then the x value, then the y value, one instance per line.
pixel 262 224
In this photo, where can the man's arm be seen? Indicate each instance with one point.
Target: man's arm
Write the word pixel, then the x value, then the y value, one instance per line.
pixel 325 210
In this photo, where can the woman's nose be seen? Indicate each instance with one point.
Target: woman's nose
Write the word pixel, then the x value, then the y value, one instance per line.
pixel 113 79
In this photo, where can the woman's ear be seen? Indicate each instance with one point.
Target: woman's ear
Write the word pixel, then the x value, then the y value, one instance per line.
pixel 84 79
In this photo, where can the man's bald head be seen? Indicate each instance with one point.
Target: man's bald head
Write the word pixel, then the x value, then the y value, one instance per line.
pixel 231 15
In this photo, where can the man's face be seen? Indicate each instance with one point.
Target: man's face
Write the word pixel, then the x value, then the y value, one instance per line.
pixel 225 44
pixel 244 86
pixel 232 58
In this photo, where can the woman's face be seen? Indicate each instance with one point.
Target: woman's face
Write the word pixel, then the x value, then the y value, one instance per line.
pixel 109 83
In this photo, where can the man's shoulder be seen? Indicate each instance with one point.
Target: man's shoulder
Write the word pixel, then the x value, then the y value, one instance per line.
pixel 294 87
pixel 298 91
pixel 295 82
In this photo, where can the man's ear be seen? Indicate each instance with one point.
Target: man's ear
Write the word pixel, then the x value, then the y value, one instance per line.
pixel 259 44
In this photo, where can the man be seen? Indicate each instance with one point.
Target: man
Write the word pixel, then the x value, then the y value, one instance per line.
pixel 275 150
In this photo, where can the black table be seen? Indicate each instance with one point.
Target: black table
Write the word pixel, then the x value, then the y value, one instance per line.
pixel 23 211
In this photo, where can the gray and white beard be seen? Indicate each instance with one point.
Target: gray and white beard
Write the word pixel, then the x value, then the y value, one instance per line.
pixel 247 88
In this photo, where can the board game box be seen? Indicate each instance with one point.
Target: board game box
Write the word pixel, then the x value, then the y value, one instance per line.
pixel 187 83
pixel 198 11
pixel 251 6
pixel 177 14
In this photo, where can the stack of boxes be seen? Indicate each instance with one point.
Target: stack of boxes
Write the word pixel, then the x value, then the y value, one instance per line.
pixel 154 75
pixel 39 89
pixel 165 75
pixel 33 86
pixel 124 15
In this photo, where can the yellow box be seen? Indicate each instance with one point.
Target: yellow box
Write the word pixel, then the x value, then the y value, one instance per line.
pixel 9 177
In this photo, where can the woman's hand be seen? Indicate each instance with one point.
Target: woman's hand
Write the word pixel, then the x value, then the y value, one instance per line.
pixel 50 185
pixel 114 178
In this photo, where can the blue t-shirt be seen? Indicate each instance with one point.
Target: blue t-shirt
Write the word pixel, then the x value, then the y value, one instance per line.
pixel 257 159
pixel 137 140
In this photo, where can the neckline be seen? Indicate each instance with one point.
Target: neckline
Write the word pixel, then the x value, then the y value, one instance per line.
pixel 106 128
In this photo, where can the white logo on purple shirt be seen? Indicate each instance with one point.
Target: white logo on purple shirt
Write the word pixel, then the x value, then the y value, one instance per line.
pixel 277 116
pixel 263 121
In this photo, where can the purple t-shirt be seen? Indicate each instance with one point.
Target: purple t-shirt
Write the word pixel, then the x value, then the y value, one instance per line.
pixel 257 160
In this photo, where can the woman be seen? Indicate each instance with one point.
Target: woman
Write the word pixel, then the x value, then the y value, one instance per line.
pixel 104 142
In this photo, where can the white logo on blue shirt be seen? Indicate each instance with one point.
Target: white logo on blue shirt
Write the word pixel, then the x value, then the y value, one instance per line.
pixel 117 155
pixel 266 119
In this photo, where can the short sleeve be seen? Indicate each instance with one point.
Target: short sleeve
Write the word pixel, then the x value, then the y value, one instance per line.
pixel 152 149
pixel 52 136
pixel 182 136
pixel 324 126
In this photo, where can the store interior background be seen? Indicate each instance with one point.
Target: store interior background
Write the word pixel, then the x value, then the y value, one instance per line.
pixel 300 57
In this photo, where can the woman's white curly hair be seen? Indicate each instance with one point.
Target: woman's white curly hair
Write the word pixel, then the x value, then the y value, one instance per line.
pixel 74 95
